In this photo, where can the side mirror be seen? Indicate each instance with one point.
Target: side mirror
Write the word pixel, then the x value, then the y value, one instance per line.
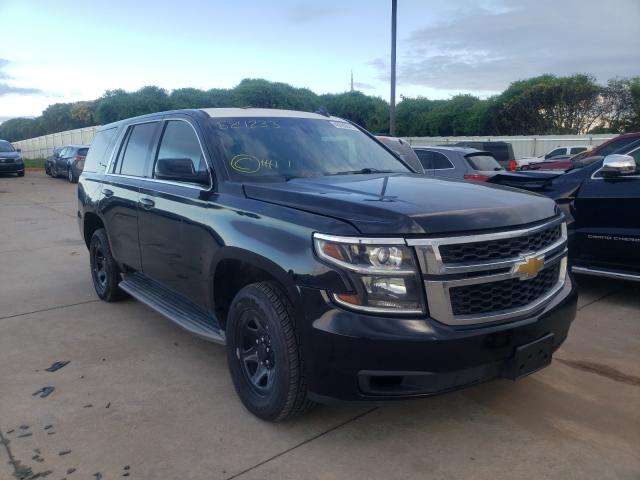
pixel 179 170
pixel 618 165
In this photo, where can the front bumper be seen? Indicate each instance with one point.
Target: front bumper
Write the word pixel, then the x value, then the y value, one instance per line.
pixel 13 167
pixel 356 357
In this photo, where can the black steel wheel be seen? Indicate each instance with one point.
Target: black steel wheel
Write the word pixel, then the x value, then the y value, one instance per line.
pixel 104 270
pixel 263 353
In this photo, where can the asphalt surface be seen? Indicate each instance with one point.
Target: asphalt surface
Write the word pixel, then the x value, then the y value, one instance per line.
pixel 143 399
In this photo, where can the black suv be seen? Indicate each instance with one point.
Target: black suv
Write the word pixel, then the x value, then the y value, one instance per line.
pixel 329 269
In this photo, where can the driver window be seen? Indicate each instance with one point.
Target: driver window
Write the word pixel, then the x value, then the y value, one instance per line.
pixel 179 141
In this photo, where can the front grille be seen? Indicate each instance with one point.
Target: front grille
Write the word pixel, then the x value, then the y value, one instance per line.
pixel 6 160
pixel 491 250
pixel 494 297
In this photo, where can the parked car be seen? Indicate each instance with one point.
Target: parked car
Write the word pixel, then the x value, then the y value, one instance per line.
pixel 564 152
pixel 613 145
pixel 403 149
pixel 327 267
pixel 601 201
pixel 501 151
pixel 460 163
pixel 69 161
pixel 52 159
pixel 10 159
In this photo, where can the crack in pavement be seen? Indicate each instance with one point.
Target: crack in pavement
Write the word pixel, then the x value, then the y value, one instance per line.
pixel 309 440
pixel 4 441
pixel 602 297
pixel 48 309
pixel 602 370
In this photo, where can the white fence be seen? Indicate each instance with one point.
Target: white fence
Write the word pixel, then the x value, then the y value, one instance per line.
pixel 523 146
pixel 529 146
pixel 41 147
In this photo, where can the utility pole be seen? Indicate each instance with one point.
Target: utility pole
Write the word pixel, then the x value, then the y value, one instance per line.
pixel 392 103
pixel 351 81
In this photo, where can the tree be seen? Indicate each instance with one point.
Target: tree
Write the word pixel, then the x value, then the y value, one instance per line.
pixel 369 112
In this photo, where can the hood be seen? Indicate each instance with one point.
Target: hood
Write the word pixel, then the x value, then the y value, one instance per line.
pixel 407 204
pixel 10 155
pixel 528 180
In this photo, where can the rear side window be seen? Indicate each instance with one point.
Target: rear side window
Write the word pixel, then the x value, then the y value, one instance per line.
pixel 179 141
pixel 500 151
pixel 576 150
pixel 82 152
pixel 134 160
pixel 99 153
pixel 426 159
pixel 556 152
pixel 482 161
pixel 440 162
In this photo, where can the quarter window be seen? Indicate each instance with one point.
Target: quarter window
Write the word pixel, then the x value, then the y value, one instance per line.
pixel 137 150
pixel 179 141
pixel 576 150
pixel 440 162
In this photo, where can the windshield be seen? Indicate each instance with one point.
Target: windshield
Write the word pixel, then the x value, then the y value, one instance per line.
pixel 483 161
pixel 6 146
pixel 274 149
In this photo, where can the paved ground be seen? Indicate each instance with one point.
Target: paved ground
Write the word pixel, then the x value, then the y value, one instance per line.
pixel 141 396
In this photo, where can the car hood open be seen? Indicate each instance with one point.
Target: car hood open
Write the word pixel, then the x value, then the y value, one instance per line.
pixel 389 204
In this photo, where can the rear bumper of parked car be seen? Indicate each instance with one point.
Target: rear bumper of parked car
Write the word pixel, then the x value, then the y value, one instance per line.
pixel 355 357
pixel 13 167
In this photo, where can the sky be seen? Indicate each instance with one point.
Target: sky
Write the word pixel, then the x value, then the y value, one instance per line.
pixel 65 51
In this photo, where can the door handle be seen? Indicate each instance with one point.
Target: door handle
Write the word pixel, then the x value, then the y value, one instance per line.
pixel 107 193
pixel 147 203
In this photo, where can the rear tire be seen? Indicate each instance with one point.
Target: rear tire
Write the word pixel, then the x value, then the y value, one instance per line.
pixel 104 270
pixel 70 176
pixel 263 353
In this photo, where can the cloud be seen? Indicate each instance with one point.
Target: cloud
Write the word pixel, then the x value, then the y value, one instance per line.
pixel 363 86
pixel 484 49
pixel 6 89
pixel 9 90
pixel 304 13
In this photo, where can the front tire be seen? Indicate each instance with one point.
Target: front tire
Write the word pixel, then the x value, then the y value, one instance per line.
pixel 53 172
pixel 104 270
pixel 263 353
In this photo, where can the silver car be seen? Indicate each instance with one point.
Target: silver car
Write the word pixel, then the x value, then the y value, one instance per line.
pixel 460 163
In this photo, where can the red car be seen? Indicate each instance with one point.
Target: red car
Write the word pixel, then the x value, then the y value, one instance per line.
pixel 565 162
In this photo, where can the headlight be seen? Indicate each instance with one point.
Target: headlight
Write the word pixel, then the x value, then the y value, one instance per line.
pixel 383 273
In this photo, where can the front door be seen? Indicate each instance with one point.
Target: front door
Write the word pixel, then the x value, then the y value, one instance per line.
pixel 176 240
pixel 607 226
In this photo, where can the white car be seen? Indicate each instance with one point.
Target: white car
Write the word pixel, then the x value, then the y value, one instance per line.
pixel 556 152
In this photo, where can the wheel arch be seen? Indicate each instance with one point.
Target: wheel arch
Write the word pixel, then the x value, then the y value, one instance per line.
pixel 234 268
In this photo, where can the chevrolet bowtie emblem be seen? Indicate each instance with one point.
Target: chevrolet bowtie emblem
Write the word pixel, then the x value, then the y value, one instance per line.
pixel 528 267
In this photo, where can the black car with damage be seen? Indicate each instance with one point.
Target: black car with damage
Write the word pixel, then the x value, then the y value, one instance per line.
pixel 329 269
pixel 600 197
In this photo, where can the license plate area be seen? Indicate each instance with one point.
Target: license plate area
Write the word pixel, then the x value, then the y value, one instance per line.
pixel 529 358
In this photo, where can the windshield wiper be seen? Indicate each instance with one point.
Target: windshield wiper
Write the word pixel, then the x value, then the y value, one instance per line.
pixel 363 171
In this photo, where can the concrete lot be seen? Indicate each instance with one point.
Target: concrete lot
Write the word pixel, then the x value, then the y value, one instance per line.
pixel 143 397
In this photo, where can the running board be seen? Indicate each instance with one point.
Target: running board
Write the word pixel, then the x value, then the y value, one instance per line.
pixel 606 273
pixel 173 306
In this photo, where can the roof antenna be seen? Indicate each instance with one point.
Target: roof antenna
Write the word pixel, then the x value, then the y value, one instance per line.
pixel 323 111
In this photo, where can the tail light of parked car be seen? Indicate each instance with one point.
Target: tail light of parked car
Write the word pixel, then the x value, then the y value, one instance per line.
pixel 476 178
pixel 79 158
pixel 513 165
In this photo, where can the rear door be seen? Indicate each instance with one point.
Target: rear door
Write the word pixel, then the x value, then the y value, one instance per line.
pixel 61 160
pixel 607 226
pixel 120 191
pixel 176 241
